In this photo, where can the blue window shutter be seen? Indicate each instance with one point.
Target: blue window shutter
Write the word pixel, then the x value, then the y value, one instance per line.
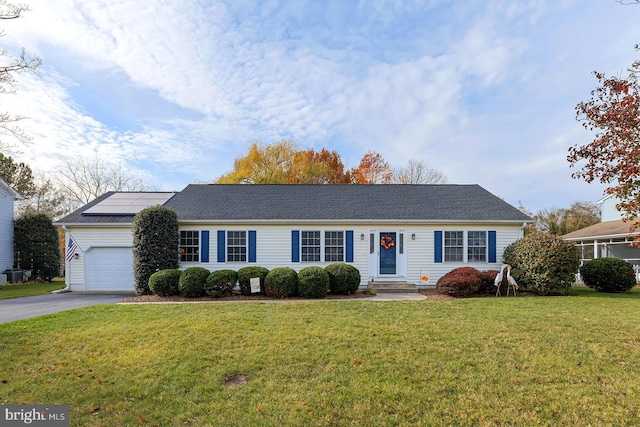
pixel 221 246
pixel 204 246
pixel 349 246
pixel 295 245
pixel 492 246
pixel 437 246
pixel 252 245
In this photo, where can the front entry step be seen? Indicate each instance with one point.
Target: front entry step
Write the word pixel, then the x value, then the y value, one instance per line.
pixel 393 287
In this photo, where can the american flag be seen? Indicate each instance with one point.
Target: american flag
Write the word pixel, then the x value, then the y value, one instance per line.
pixel 72 246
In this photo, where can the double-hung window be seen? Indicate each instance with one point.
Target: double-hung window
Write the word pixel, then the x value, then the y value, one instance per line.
pixel 190 245
pixel 465 246
pixel 476 246
pixel 237 246
pixel 453 246
pixel 334 246
pixel 310 246
pixel 322 245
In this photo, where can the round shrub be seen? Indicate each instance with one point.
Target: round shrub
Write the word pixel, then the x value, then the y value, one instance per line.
pixel 165 282
pixel 343 278
pixel 543 263
pixel 608 275
pixel 244 278
pixel 220 283
pixel 281 283
pixel 313 282
pixel 192 281
pixel 461 282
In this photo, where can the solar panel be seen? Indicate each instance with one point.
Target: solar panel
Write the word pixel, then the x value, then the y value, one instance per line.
pixel 127 203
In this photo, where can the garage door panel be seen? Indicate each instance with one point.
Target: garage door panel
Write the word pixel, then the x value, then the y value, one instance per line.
pixel 110 269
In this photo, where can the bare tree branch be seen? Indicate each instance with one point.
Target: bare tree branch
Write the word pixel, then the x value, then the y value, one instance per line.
pixel 83 180
pixel 10 66
pixel 418 172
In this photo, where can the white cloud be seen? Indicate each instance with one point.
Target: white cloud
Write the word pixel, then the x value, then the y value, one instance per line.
pixel 466 86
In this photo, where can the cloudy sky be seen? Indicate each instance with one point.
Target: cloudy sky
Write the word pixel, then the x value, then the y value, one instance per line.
pixel 175 90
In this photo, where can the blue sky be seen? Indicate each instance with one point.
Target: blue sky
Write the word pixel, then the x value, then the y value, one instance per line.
pixel 175 90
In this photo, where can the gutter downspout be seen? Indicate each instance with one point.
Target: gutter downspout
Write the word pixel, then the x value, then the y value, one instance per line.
pixel 524 225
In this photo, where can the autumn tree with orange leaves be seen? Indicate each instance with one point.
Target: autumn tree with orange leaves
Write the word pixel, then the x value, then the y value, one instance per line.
pixel 284 163
pixel 373 169
pixel 613 157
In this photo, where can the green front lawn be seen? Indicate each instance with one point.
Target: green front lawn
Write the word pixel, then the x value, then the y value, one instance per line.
pixel 30 289
pixel 478 361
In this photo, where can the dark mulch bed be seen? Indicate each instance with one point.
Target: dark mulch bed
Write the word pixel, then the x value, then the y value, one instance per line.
pixel 432 294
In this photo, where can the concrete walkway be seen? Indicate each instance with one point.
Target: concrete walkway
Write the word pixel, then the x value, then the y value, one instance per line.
pixel 397 297
pixel 28 307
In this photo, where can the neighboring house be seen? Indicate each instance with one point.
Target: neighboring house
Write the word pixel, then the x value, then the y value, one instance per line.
pixel 7 196
pixel 609 238
pixel 413 233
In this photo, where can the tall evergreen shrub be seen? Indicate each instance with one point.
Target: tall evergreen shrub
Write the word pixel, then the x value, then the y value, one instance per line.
pixel 156 239
pixel 36 244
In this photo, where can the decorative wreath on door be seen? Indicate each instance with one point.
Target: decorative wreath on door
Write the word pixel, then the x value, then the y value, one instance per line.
pixel 387 242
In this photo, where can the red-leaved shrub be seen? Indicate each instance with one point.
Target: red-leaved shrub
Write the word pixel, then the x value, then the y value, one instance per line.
pixel 461 282
pixel 488 286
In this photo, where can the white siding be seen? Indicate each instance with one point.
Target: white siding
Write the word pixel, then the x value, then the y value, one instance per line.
pixel 6 231
pixel 87 239
pixel 422 251
pixel 273 247
pixel 608 210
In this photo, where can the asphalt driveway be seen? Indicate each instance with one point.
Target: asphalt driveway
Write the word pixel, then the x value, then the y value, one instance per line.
pixel 27 307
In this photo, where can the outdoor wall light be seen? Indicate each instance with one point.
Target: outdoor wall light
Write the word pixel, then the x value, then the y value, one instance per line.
pixel 413 236
pixel 362 236
pixel 76 256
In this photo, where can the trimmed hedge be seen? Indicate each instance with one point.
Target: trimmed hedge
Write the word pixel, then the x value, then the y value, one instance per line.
pixel 244 278
pixel 543 263
pixel 281 283
pixel 608 275
pixel 220 283
pixel 343 278
pixel 192 281
pixel 165 282
pixel 156 242
pixel 313 282
pixel 461 282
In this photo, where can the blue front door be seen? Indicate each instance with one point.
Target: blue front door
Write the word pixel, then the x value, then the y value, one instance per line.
pixel 387 253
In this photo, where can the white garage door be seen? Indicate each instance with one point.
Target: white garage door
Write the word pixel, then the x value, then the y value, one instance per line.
pixel 109 269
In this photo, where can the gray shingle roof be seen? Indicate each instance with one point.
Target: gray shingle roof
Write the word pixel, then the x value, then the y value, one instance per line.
pixel 230 202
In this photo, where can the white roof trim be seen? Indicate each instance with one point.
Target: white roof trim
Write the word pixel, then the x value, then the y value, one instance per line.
pixel 6 188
